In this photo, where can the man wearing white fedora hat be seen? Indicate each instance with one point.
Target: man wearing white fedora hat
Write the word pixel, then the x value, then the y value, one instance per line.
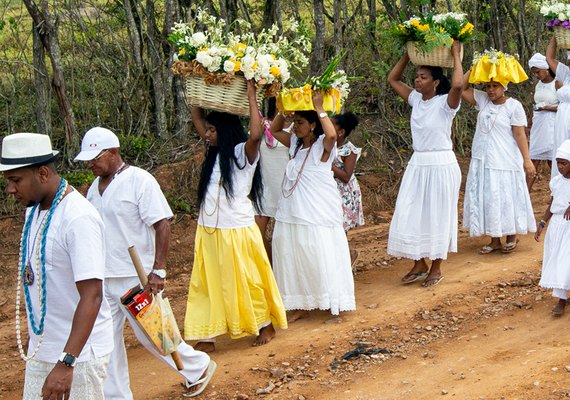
pixel 135 212
pixel 60 272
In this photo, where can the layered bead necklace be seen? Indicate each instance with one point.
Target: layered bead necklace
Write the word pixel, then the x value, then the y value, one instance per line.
pixel 26 272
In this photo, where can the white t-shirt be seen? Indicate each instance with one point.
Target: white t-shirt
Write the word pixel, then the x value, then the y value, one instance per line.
pixel 74 252
pixel 431 122
pixel 315 199
pixel 494 141
pixel 545 94
pixel 560 189
pixel 129 206
pixel 218 210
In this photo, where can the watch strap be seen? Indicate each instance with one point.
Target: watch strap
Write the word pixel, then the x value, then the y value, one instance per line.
pixel 67 359
pixel 161 273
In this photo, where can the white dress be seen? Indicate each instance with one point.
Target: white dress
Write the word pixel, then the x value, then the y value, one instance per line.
pixel 562 119
pixel 273 160
pixel 542 131
pixel 555 266
pixel 425 219
pixel 497 202
pixel 311 259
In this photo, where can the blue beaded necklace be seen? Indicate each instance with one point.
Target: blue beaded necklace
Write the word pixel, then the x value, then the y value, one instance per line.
pixel 41 269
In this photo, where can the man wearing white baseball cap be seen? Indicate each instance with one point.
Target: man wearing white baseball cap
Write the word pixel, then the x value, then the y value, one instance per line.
pixel 61 272
pixel 135 213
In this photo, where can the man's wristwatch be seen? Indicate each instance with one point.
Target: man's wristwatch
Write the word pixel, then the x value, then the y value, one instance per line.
pixel 323 115
pixel 161 273
pixel 67 359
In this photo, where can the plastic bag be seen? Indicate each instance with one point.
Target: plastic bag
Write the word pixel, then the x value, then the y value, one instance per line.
pixel 160 325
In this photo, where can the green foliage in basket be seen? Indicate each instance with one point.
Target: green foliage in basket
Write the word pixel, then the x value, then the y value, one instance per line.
pixel 332 78
pixel 434 30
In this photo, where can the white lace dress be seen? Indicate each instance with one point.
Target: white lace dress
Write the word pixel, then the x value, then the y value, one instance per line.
pixel 497 202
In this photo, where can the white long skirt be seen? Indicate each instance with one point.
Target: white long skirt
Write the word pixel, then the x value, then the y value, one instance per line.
pixel 497 202
pixel 542 135
pixel 561 131
pixel 312 268
pixel 272 163
pixel 556 260
pixel 425 219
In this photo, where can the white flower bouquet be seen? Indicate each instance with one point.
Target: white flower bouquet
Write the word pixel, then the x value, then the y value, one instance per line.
pixel 219 56
pixel 332 82
pixel 557 17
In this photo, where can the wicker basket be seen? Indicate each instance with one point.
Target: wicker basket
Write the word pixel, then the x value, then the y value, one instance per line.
pixel 230 98
pixel 438 57
pixel 562 37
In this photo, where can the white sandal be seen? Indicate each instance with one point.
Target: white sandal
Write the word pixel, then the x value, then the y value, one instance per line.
pixel 202 381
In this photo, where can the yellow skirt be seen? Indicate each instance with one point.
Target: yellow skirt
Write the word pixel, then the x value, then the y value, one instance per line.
pixel 232 288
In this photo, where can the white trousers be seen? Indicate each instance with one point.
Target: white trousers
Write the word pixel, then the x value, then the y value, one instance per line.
pixel 117 386
pixel 87 384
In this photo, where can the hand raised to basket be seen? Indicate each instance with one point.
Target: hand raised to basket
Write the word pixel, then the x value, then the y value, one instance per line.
pixel 456 48
pixel 318 100
pixel 251 90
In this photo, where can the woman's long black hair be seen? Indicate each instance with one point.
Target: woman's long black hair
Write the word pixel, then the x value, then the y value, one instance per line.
pixel 230 132
pixel 437 74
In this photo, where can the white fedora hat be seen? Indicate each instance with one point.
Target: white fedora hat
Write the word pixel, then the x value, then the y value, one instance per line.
pixel 25 149
pixel 95 141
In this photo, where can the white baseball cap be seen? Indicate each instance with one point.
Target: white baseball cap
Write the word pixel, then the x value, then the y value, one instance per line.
pixel 25 149
pixel 95 141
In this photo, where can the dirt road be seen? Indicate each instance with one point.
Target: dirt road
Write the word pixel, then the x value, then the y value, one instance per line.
pixel 485 332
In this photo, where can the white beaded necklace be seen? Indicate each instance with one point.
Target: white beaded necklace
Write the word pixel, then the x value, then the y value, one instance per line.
pixel 40 271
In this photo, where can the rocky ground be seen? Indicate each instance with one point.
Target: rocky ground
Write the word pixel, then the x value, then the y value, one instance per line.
pixel 485 332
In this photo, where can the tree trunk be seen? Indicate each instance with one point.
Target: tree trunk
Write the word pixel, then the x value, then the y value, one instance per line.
pixel 134 35
pixel 175 82
pixel 272 14
pixel 338 26
pixel 155 68
pixel 318 55
pixel 47 32
pixel 41 85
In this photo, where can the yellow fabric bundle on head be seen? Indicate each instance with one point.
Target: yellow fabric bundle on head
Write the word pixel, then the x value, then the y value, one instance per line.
pixel 498 67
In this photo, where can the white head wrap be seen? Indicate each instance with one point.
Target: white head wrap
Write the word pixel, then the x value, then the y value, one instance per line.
pixel 538 61
pixel 564 150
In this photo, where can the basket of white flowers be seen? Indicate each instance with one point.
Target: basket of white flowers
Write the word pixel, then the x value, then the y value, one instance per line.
pixel 216 63
pixel 557 17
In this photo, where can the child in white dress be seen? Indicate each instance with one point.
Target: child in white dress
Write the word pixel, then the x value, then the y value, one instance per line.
pixel 556 261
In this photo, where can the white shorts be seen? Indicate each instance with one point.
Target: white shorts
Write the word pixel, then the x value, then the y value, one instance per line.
pixel 88 379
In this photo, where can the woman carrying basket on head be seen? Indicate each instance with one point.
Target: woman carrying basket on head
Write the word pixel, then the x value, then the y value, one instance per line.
pixel 311 259
pixel 232 288
pixel 424 224
pixel 497 202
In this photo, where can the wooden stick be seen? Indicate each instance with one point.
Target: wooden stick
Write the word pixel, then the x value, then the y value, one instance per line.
pixel 144 280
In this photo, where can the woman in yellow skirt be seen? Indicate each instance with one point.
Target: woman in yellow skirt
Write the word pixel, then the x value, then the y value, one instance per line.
pixel 232 288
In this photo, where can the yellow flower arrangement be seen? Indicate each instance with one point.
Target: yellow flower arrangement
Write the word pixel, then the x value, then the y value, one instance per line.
pixel 434 30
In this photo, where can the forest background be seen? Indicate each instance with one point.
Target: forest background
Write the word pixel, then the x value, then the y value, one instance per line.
pixel 69 65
